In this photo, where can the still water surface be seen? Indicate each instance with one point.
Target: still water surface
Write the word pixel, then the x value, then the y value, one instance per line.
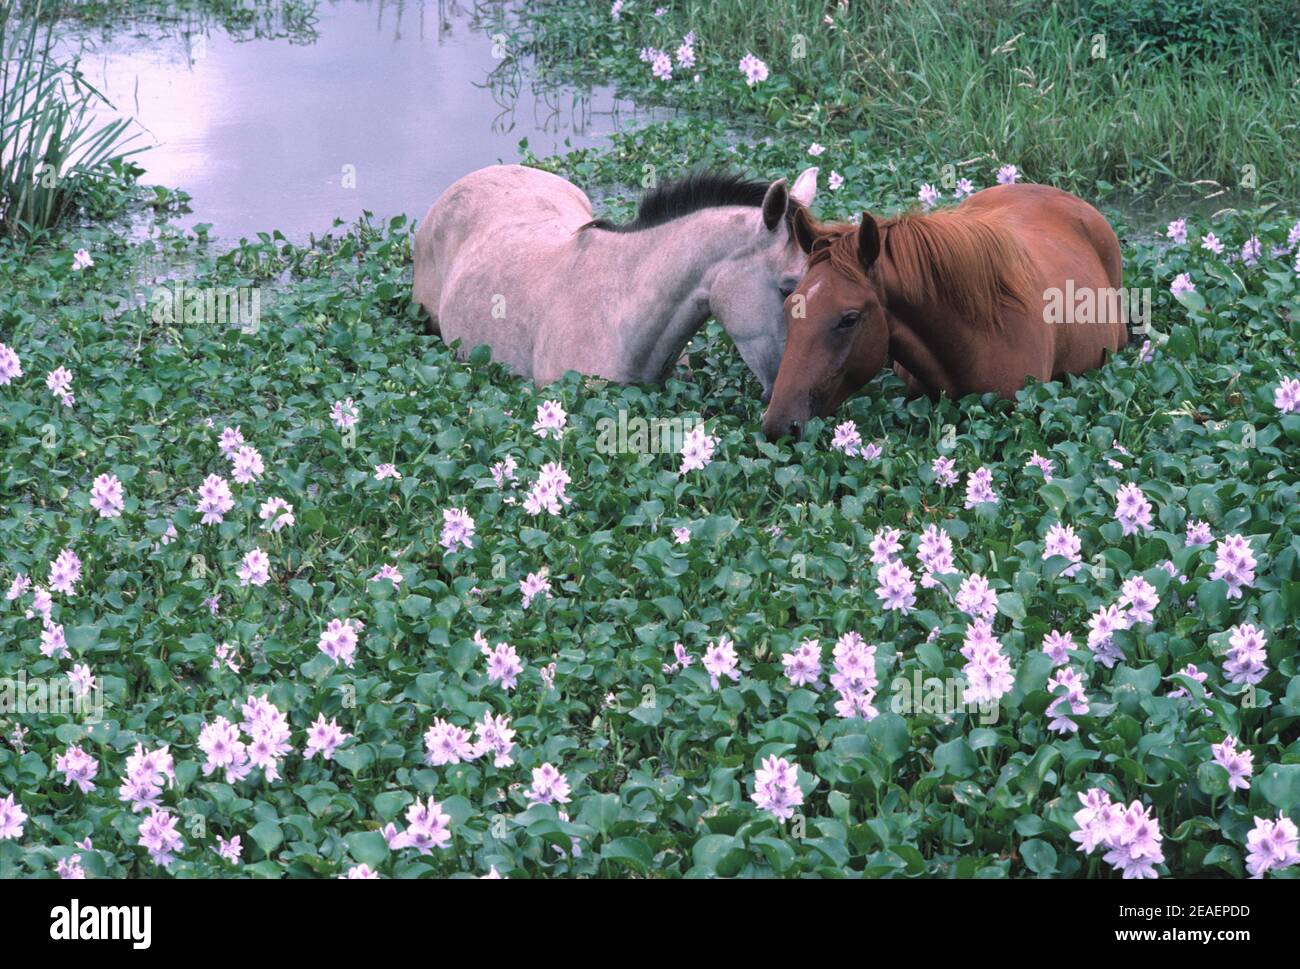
pixel 386 107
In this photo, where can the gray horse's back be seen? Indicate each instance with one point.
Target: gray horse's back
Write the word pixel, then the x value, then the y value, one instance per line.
pixel 489 206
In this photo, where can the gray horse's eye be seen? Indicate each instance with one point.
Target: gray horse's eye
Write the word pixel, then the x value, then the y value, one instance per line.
pixel 786 290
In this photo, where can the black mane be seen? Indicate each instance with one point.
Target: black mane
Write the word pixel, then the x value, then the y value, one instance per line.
pixel 698 190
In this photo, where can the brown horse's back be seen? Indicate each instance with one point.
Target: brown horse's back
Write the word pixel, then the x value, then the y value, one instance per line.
pixel 1076 254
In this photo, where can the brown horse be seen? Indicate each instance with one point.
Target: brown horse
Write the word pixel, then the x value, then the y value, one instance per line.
pixel 1017 281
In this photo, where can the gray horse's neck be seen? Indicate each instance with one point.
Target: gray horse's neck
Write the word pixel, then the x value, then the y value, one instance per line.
pixel 663 276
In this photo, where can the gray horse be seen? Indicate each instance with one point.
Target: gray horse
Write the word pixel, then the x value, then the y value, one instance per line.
pixel 511 257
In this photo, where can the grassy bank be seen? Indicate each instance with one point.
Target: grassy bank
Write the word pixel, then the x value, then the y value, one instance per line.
pixel 1084 95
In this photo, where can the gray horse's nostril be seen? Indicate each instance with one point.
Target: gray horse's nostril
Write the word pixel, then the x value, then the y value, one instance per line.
pixel 767 396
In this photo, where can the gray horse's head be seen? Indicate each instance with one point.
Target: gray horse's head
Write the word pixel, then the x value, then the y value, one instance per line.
pixel 748 290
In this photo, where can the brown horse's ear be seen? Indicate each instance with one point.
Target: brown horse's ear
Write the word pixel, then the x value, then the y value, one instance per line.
pixel 868 242
pixel 804 234
pixel 774 204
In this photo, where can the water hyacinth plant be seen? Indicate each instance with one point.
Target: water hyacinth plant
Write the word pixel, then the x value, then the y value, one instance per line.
pixel 516 653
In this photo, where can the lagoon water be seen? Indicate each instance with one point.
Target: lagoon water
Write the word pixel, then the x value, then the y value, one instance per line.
pixel 386 107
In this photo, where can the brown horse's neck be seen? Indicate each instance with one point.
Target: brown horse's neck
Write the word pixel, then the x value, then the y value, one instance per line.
pixel 933 352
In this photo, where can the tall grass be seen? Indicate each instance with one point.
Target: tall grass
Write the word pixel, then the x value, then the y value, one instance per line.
pixel 1012 80
pixel 51 146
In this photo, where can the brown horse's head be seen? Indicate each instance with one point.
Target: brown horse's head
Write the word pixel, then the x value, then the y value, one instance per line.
pixel 837 336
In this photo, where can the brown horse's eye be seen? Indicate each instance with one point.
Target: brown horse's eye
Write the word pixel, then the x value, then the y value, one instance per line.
pixel 848 320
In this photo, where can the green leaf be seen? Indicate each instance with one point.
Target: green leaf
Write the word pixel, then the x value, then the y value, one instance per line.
pixel 267 835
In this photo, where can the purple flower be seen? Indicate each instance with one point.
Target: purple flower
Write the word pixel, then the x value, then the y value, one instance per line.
pixel 427 827
pixel 1132 509
pixel 106 496
pixel 65 572
pixel 847 439
pixel 344 414
pixel 976 598
pixel 1247 660
pixel 1272 845
pixel 1235 564
pixel 246 465
pixel 338 641
pixel 944 471
pixel 229 850
pixel 548 492
pixel 988 672
pixel 935 555
pixel 895 588
pixel 70 868
pixel 1198 533
pixel 551 417
pixel 533 585
pixel 10 366
pixel 1286 396
pixel 803 666
pixel 255 569
pixel 1066 685
pixel 697 450
pixel 1061 540
pixel 1139 597
pixel 231 440
pixel 158 835
pixel 885 546
pixel 979 488
pixel 504 665
pixel 549 786
pixel 77 767
pixel 1238 763
pixel 755 71
pixel 1057 645
pixel 323 738
pixel 457 529
pixel 776 787
pixel 1101 628
pixel 446 743
pixel 214 500
pixel 12 817
pixel 720 660
pixel 1042 464
pixel 1191 671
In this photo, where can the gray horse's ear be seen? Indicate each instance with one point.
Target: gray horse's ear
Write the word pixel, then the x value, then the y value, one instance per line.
pixel 868 241
pixel 774 204
pixel 805 187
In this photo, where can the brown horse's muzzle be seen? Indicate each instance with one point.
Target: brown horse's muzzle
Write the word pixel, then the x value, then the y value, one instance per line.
pixel 777 425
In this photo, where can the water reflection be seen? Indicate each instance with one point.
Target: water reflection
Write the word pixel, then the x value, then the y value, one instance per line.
pixel 388 105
